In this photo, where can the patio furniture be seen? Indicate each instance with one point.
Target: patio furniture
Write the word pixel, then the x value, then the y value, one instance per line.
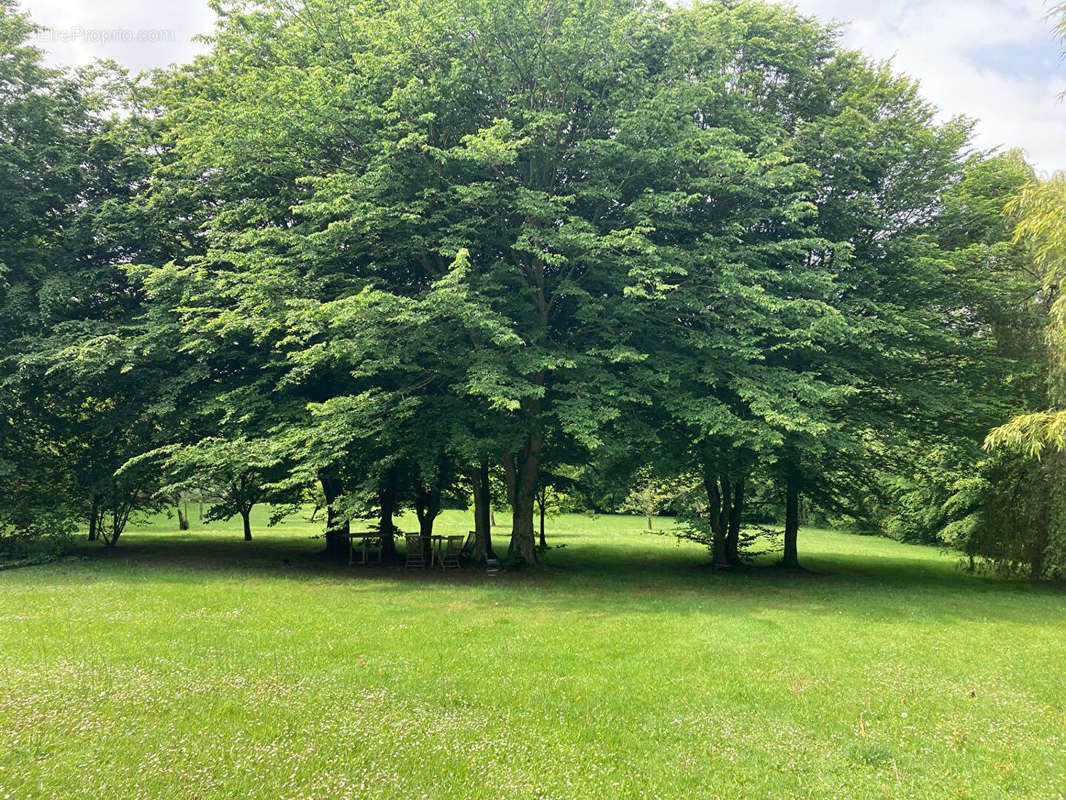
pixel 469 544
pixel 449 557
pixel 416 554
pixel 364 545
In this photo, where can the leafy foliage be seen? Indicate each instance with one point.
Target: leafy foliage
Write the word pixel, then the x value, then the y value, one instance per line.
pixel 394 253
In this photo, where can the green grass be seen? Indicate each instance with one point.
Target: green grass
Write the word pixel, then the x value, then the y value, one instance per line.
pixel 201 666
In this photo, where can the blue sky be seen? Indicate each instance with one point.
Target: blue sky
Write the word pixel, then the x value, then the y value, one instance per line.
pixel 994 60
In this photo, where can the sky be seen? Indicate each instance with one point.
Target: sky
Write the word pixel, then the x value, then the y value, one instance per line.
pixel 994 60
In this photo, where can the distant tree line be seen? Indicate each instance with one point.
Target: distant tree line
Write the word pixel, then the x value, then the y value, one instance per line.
pixel 626 253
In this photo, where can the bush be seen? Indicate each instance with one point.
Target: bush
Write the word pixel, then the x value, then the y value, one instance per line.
pixel 35 534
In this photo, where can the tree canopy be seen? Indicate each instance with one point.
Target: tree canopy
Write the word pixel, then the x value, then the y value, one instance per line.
pixel 396 252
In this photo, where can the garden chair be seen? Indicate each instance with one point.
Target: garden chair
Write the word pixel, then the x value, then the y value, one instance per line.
pixel 363 547
pixel 375 548
pixel 453 546
pixel 468 545
pixel 416 554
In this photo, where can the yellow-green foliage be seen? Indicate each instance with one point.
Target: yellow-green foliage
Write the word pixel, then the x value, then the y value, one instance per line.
pixel 1041 211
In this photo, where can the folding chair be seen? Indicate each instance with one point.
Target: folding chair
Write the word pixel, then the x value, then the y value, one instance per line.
pixel 363 547
pixel 450 557
pixel 416 555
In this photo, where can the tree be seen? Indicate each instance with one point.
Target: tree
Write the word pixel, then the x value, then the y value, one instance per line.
pixel 70 170
pixel 1010 514
pixel 43 120
pixel 788 329
pixel 1012 511
pixel 531 166
pixel 650 494
pixel 239 474
pixel 999 360
pixel 1041 213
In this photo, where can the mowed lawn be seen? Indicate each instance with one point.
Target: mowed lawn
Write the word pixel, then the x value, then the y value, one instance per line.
pixel 200 666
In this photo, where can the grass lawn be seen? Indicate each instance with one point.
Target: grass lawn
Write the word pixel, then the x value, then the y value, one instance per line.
pixel 201 666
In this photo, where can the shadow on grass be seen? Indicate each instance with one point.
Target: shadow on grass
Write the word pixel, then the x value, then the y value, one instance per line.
pixel 590 571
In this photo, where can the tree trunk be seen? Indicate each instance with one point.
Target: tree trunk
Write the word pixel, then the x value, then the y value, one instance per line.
pixel 723 512
pixel 387 501
pixel 119 513
pixel 523 541
pixel 95 519
pixel 479 479
pixel 510 478
pixel 649 514
pixel 542 501
pixel 526 469
pixel 246 518
pixel 1036 565
pixel 733 535
pixel 111 538
pixel 425 524
pixel 714 514
pixel 183 520
pixel 791 557
pixel 427 507
pixel 337 530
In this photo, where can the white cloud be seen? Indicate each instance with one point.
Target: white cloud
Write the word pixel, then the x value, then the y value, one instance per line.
pixel 138 33
pixel 994 60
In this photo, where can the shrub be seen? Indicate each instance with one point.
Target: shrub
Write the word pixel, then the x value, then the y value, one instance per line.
pixel 35 534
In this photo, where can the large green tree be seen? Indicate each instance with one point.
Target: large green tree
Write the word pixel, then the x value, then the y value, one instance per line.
pixel 70 167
